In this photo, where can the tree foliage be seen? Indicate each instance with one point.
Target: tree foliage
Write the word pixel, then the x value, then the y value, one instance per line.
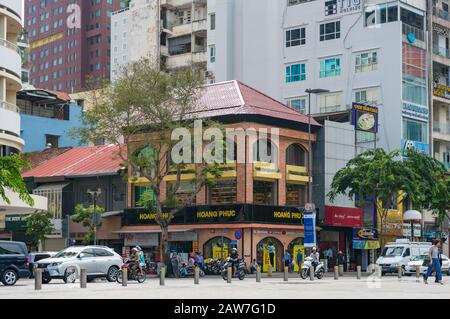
pixel 39 225
pixel 11 178
pixel 85 217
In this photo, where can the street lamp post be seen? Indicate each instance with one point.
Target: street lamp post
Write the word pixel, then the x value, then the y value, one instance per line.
pixel 311 91
pixel 95 193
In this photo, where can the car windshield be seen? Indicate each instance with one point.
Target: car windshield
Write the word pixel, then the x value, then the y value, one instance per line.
pixel 392 251
pixel 421 257
pixel 66 253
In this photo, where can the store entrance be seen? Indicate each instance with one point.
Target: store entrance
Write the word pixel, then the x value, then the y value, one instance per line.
pixel 264 257
pixel 182 249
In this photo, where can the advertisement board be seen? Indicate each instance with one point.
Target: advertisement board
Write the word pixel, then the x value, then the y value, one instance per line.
pixel 365 117
pixel 310 229
pixel 365 233
pixel 418 146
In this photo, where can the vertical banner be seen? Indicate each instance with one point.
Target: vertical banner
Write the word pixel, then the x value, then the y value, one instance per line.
pixel 298 248
pixel 309 222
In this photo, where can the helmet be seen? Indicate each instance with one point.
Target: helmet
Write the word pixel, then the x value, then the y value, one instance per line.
pixel 234 249
pixel 314 248
pixel 139 248
pixel 134 250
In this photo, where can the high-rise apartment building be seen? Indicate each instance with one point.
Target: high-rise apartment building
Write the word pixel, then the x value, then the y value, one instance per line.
pixel 69 42
pixel 172 33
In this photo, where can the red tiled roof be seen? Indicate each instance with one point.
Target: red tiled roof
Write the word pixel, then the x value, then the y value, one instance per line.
pixel 80 161
pixel 236 98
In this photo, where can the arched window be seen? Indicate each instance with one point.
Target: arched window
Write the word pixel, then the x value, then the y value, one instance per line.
pixel 217 247
pixel 270 251
pixel 264 150
pixel 296 155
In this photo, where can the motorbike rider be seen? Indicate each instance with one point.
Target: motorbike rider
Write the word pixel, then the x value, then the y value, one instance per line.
pixel 315 257
pixel 134 258
pixel 141 258
pixel 234 255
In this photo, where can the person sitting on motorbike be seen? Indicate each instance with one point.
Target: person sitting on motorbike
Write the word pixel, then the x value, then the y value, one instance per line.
pixel 234 255
pixel 133 260
pixel 141 258
pixel 315 257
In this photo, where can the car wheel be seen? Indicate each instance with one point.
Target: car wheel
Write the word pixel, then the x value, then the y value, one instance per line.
pixel 70 275
pixel 111 276
pixel 46 279
pixel 9 277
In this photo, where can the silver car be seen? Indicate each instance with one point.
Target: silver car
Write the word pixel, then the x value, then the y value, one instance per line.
pixel 99 261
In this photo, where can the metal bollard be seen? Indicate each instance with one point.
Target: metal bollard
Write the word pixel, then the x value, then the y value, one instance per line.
pixel 270 271
pixel 399 272
pixel 341 270
pixel 196 276
pixel 286 274
pixel 379 271
pixel 258 274
pixel 83 278
pixel 372 268
pixel 311 273
pixel 124 277
pixel 325 264
pixel 37 279
pixel 336 272
pixel 229 274
pixel 358 272
pixel 418 273
pixel 162 276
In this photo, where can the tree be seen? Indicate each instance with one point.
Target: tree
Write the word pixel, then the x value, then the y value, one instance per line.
pixel 11 178
pixel 377 176
pixel 85 217
pixel 39 225
pixel 139 112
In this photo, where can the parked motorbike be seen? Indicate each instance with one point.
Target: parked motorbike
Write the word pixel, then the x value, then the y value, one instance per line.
pixel 240 271
pixel 213 266
pixel 133 272
pixel 304 271
pixel 151 268
pixel 189 271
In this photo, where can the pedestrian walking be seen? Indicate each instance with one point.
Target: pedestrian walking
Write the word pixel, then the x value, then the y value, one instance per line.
pixel 440 263
pixel 271 249
pixel 433 254
pixel 299 259
pixel 340 258
pixel 175 265
pixel 329 256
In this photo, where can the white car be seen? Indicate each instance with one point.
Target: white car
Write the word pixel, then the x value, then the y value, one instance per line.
pixel 99 261
pixel 423 262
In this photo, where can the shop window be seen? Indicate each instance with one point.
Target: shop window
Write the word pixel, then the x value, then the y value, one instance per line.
pixel 224 192
pixel 217 248
pixel 294 248
pixel 265 150
pixel 295 195
pixel 264 193
pixel 264 257
pixel 295 155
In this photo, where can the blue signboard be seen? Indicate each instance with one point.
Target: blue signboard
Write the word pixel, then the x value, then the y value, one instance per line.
pixel 309 222
pixel 237 234
pixel 418 146
pixel 365 233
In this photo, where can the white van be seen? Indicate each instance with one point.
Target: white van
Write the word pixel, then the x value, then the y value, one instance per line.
pixel 400 253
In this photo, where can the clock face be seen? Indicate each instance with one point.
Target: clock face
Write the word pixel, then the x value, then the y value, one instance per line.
pixel 366 122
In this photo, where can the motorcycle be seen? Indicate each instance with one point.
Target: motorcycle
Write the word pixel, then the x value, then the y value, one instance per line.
pixel 189 271
pixel 213 266
pixel 240 271
pixel 133 272
pixel 304 271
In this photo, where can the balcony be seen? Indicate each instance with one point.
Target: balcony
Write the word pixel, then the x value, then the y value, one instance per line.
pixel 266 171
pixel 185 60
pixel 441 131
pixel 418 34
pixel 441 51
pixel 296 174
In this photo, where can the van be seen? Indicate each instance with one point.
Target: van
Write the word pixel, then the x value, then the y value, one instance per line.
pixel 14 262
pixel 399 253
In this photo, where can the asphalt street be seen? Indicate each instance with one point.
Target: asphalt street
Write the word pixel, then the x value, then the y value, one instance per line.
pixel 212 287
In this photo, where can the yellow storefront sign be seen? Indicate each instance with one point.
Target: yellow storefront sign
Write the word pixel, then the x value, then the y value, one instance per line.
pixel 266 259
pixel 220 252
pixel 295 251
pixel 46 40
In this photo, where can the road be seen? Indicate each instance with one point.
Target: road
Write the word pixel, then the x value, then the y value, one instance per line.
pixel 214 287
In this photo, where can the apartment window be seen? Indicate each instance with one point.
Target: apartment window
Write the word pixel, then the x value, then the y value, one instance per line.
pixel 295 72
pixel 330 67
pixel 415 131
pixel 366 62
pixel 330 7
pixel 330 31
pixel 223 192
pixel 295 195
pixel 298 104
pixel 295 37
pixel 330 103
pixel 212 54
pixel 381 13
pixel 264 193
pixel 213 21
pixel 52 140
pixel 367 96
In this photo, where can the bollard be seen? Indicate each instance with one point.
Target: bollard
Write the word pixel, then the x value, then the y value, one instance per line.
pixel 325 264
pixel 124 277
pixel 372 268
pixel 399 272
pixel 162 276
pixel 286 274
pixel 258 274
pixel 37 279
pixel 336 272
pixel 196 276
pixel 83 278
pixel 229 274
pixel 269 273
pixel 379 271
pixel 358 272
pixel 311 273
pixel 341 270
pixel 417 273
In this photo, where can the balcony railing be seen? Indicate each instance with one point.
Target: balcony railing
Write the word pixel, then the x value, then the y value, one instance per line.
pixel 443 128
pixel 418 33
pixel 441 51
pixel 9 106
pixel 9 45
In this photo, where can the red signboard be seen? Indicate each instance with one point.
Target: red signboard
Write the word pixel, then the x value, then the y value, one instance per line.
pixel 343 216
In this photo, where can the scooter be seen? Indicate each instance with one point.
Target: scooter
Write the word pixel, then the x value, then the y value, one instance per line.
pixel 240 272
pixel 304 271
pixel 188 271
pixel 132 274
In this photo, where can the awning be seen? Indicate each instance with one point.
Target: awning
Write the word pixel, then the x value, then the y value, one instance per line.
pixel 112 213
pixel 150 231
pixel 50 187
